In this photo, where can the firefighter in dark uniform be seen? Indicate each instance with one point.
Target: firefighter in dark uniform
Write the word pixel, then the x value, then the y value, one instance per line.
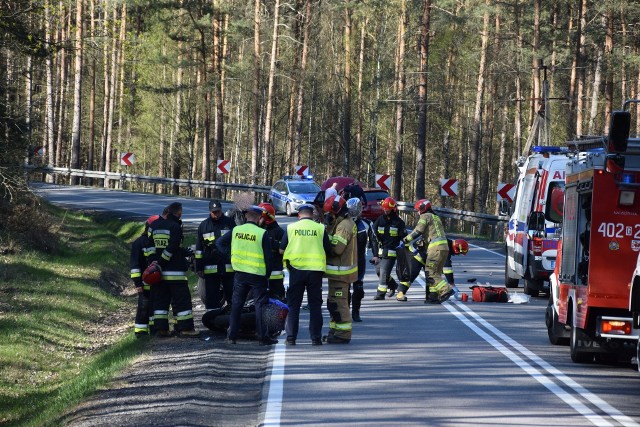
pixel 138 263
pixel 165 237
pixel 342 268
pixel 210 263
pixel 275 232
pixel 304 247
pixel 252 261
pixel 365 238
pixel 389 229
pixel 431 230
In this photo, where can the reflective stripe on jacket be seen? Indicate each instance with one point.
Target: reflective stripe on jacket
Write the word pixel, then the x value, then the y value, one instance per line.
pixel 247 254
pixel 304 249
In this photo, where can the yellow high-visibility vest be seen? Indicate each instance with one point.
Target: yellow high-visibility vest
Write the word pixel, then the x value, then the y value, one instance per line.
pixel 247 254
pixel 304 248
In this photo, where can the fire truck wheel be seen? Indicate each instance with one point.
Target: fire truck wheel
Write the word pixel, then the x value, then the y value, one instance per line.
pixel 554 329
pixel 509 280
pixel 576 355
pixel 532 287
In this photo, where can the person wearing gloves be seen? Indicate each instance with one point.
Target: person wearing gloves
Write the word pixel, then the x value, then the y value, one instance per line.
pixel 456 247
pixel 389 229
pixel 342 268
pixel 138 263
pixel 365 238
pixel 431 230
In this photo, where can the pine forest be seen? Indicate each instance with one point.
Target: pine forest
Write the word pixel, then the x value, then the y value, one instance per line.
pixel 417 89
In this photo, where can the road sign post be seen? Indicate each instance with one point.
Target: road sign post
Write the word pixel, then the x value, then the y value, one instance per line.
pixel 224 166
pixel 506 192
pixel 383 181
pixel 302 170
pixel 449 187
pixel 127 159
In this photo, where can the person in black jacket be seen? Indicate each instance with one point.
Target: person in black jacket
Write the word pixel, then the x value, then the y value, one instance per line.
pixel 138 263
pixel 164 241
pixel 389 229
pixel 211 265
pixel 275 232
pixel 366 238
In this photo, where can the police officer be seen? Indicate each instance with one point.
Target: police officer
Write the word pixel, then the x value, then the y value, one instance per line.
pixel 138 263
pixel 252 261
pixel 210 263
pixel 275 232
pixel 365 237
pixel 342 268
pixel 389 229
pixel 305 246
pixel 164 241
pixel 431 230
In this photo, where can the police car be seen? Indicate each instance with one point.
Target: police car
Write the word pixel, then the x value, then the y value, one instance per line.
pixel 288 193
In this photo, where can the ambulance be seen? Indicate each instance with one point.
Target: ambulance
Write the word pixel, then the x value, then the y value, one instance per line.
pixel 589 303
pixel 535 217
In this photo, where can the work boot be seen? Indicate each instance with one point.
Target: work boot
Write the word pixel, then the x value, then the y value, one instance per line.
pixel 164 334
pixel 268 341
pixel 432 298
pixel 401 296
pixel 290 341
pixel 191 333
pixel 229 341
pixel 446 295
pixel 355 315
pixel 316 341
pixel 379 296
pixel 332 339
pixel 391 292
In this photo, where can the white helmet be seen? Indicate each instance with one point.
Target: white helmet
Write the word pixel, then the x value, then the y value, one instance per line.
pixel 354 205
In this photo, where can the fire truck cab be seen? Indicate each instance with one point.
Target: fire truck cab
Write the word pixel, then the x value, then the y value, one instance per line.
pixel 532 235
pixel 589 302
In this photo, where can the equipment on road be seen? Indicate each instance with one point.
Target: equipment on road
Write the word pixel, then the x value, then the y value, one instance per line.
pixel 589 305
pixel 274 315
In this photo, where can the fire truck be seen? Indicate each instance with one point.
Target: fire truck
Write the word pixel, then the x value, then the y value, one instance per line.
pixel 589 302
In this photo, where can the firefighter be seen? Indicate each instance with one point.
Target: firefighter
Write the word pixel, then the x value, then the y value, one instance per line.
pixel 342 268
pixel 275 232
pixel 252 261
pixel 210 263
pixel 305 246
pixel 164 241
pixel 456 247
pixel 431 230
pixel 138 263
pixel 365 237
pixel 389 229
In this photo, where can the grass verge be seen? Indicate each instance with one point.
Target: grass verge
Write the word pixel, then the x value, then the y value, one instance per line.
pixel 65 318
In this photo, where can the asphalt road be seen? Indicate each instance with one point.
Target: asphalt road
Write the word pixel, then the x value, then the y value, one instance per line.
pixel 455 364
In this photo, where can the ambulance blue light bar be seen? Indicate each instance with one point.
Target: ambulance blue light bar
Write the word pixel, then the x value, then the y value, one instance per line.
pixel 549 150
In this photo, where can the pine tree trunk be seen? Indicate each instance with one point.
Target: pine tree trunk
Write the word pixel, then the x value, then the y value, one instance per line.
pixel 49 139
pixel 270 89
pixel 301 78
pixel 112 96
pixel 359 102
pixel 256 93
pixel 121 66
pixel 346 92
pixel 77 93
pixel 476 136
pixel 399 119
pixel 92 95
pixel 611 67
pixel 422 100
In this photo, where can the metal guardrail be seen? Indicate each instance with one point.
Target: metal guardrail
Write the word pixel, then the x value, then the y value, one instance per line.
pixel 491 226
pixel 114 176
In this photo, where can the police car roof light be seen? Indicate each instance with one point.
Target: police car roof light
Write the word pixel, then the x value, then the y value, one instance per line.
pixel 544 149
pixel 297 177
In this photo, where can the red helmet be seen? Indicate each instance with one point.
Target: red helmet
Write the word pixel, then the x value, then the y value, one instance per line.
pixel 152 275
pixel 422 205
pixel 389 204
pixel 269 213
pixel 334 204
pixel 152 218
pixel 460 246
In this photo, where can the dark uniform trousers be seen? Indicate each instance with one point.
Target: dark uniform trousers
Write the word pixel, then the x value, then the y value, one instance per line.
pixel 219 288
pixel 176 293
pixel 299 281
pixel 243 283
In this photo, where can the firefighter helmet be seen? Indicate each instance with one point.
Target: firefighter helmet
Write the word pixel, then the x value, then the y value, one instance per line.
pixel 355 207
pixel 152 275
pixel 152 218
pixel 422 205
pixel 334 204
pixel 269 213
pixel 389 204
pixel 460 246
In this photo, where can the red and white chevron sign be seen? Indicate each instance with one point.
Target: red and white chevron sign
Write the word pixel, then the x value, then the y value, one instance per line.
pixel 302 170
pixel 127 159
pixel 223 166
pixel 506 192
pixel 449 187
pixel 383 181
